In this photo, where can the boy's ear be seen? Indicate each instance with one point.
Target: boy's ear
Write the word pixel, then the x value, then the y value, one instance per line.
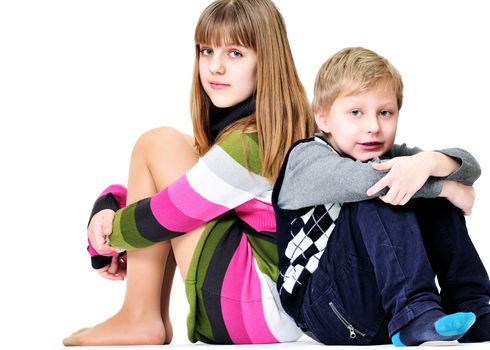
pixel 321 121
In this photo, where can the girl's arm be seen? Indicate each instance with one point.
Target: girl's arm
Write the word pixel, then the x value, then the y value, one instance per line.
pixel 112 198
pixel 219 182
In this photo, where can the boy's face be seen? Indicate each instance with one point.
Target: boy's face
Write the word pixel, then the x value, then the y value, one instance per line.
pixel 361 126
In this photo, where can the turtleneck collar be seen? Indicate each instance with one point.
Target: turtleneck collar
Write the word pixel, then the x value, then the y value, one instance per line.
pixel 220 118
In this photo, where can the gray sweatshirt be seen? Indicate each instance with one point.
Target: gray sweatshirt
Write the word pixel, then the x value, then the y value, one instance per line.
pixel 316 174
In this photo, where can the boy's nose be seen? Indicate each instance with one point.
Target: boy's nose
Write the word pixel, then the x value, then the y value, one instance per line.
pixel 372 124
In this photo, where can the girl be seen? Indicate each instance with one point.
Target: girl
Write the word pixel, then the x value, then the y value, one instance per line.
pixel 208 204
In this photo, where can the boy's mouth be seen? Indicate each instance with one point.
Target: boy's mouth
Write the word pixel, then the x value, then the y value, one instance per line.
pixel 371 146
pixel 371 143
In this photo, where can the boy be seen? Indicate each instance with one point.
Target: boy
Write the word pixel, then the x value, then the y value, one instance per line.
pixel 375 277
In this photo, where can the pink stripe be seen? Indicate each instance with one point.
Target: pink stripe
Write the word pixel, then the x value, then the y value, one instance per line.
pixel 91 250
pixel 119 192
pixel 258 214
pixel 188 201
pixel 241 300
pixel 170 216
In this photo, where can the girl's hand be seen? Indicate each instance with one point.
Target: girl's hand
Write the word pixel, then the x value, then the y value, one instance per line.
pixel 116 270
pixel 461 196
pixel 405 176
pixel 99 228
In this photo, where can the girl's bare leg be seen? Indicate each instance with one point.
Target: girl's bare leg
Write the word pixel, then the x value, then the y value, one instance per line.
pixel 159 158
pixel 165 296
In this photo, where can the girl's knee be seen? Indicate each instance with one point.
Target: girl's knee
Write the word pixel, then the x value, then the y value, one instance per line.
pixel 155 137
pixel 163 139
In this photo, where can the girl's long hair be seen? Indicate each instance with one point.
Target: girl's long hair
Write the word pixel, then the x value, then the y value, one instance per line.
pixel 283 113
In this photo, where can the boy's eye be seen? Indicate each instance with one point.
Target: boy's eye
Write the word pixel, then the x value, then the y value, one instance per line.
pixel 235 53
pixel 386 114
pixel 355 112
pixel 206 51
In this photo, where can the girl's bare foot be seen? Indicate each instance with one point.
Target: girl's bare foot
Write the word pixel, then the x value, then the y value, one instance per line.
pixel 121 329
pixel 169 333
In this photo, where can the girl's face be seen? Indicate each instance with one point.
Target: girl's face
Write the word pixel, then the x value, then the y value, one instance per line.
pixel 228 73
pixel 361 126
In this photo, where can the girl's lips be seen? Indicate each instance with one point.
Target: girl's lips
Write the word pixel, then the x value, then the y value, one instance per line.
pixel 218 86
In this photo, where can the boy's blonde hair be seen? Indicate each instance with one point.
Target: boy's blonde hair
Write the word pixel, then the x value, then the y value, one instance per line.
pixel 352 71
pixel 283 113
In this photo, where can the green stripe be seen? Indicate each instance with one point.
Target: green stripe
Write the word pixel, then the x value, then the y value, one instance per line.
pixel 130 238
pixel 232 144
pixel 198 325
pixel 265 254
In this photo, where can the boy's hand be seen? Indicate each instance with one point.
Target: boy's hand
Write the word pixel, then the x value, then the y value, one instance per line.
pixel 116 270
pixel 406 175
pixel 459 195
pixel 101 226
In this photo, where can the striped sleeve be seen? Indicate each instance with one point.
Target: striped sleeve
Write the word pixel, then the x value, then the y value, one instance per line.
pixel 222 179
pixel 113 197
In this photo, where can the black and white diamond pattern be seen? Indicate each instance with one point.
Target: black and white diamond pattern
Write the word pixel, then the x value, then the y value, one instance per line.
pixel 309 236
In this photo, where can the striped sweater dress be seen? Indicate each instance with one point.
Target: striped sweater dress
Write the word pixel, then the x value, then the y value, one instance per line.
pixel 231 282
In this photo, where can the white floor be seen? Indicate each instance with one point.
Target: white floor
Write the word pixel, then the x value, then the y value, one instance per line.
pixel 303 344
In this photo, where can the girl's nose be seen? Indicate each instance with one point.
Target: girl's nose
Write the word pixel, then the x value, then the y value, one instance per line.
pixel 217 65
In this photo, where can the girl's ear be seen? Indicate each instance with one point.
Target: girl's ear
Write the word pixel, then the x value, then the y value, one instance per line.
pixel 321 121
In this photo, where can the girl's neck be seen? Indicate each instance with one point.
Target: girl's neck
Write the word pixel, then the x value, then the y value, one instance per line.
pixel 220 118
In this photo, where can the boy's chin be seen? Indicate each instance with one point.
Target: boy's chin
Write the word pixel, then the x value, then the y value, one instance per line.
pixel 368 156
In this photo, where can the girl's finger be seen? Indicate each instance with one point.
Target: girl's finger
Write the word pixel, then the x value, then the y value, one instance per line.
pixel 114 265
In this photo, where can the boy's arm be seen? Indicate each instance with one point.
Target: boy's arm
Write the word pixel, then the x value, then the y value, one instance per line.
pixel 406 174
pixel 315 174
pixel 461 196
pixel 455 164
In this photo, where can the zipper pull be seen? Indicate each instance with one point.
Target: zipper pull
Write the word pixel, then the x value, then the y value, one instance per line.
pixel 352 332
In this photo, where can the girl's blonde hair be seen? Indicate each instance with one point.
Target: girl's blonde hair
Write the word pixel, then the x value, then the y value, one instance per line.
pixel 351 71
pixel 283 114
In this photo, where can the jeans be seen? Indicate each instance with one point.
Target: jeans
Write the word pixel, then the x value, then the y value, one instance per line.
pixel 376 273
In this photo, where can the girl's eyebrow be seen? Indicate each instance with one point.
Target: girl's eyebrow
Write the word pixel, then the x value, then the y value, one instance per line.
pixel 226 46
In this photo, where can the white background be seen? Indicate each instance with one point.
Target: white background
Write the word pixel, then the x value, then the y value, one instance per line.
pixel 81 80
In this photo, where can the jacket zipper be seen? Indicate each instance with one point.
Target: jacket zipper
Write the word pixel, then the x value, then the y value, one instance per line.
pixel 342 319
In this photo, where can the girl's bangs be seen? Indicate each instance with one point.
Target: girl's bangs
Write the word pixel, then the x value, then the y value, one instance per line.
pixel 224 26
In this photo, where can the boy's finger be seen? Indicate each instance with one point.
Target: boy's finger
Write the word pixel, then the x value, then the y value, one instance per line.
pixel 390 196
pixel 406 198
pixel 383 166
pixel 378 186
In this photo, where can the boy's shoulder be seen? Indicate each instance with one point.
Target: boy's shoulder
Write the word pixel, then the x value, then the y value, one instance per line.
pixel 310 147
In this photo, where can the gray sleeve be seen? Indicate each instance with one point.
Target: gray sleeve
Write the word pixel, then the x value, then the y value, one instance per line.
pixel 467 173
pixel 469 170
pixel 316 175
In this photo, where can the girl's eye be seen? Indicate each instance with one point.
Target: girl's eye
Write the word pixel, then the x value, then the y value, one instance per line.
pixel 206 51
pixel 235 53
pixel 356 113
pixel 385 114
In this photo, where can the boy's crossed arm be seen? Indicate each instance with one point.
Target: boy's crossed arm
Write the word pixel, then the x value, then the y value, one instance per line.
pixel 317 175
pixel 405 175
